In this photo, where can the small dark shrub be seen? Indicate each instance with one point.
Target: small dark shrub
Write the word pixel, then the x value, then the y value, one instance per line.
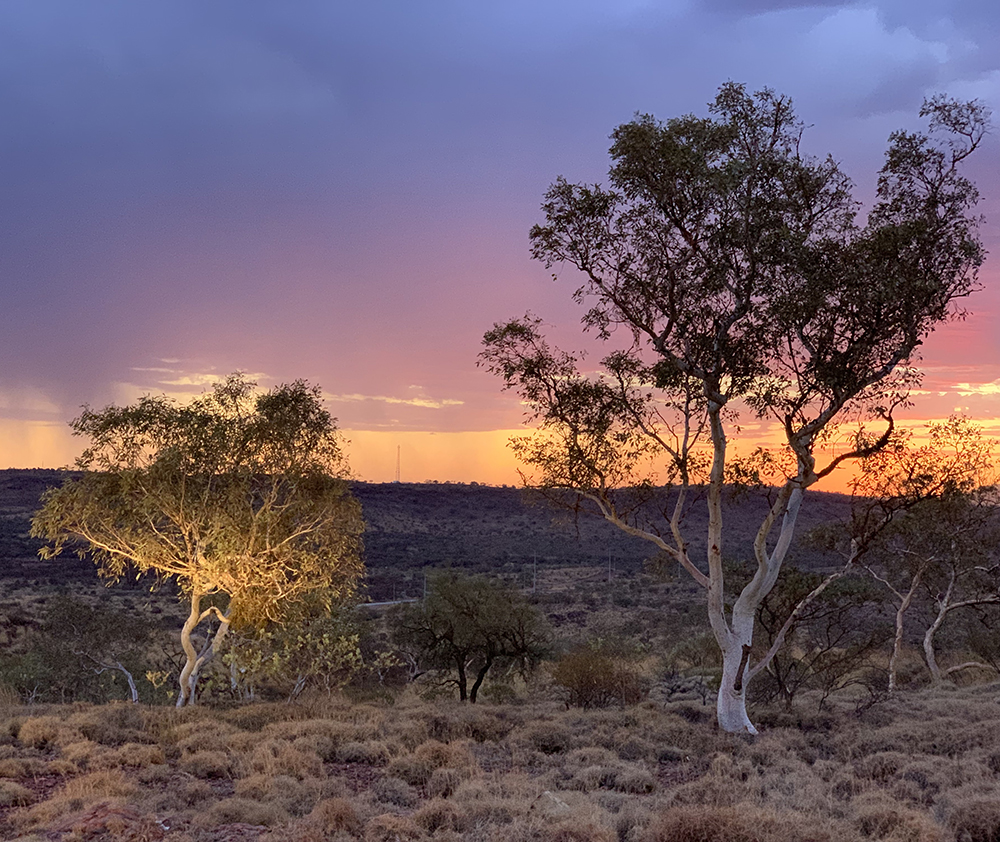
pixel 592 679
pixel 976 820
pixel 550 738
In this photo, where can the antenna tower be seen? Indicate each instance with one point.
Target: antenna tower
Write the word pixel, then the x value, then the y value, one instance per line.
pixel 397 463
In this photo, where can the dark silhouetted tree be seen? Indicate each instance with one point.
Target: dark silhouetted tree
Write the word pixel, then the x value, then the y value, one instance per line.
pixel 469 625
pixel 728 269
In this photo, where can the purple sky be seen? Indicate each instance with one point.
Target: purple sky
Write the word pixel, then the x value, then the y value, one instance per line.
pixel 342 191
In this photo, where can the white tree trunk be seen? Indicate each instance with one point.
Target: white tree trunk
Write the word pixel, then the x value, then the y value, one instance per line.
pixel 731 708
pixel 194 660
pixel 185 695
pixel 897 643
pixel 929 654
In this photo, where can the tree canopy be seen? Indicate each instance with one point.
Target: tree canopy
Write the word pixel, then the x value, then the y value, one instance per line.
pixel 238 495
pixel 732 272
pixel 466 626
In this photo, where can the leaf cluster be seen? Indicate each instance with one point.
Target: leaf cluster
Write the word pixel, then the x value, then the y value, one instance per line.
pixel 467 625
pixel 238 493
pixel 735 263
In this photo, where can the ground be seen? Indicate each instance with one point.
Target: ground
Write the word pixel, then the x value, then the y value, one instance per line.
pixel 924 766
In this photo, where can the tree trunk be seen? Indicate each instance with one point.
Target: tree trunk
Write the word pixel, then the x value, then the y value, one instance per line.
pixel 463 685
pixel 943 606
pixel 212 645
pixel 185 696
pixel 731 709
pixel 480 676
pixel 929 655
pixel 897 644
pixel 133 690
pixel 194 660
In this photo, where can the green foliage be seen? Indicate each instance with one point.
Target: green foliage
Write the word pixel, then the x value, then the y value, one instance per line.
pixel 82 652
pixel 737 265
pixel 831 642
pixel 238 494
pixel 468 625
pixel 286 658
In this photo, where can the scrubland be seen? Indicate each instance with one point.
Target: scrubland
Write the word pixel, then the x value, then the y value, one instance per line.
pixel 921 767
pixel 411 763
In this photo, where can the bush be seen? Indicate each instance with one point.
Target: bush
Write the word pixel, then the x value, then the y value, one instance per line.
pixel 591 678
pixel 550 738
pixel 243 810
pixel 732 824
pixel 976 819
pixel 14 795
pixel 335 814
pixel 207 764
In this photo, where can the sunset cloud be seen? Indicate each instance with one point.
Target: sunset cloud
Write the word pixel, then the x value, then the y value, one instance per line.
pixel 421 401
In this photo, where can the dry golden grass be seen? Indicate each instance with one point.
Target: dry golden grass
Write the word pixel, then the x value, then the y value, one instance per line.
pixel 924 767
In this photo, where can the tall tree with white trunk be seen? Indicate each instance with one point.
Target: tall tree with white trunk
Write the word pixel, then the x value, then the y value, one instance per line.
pixel 727 269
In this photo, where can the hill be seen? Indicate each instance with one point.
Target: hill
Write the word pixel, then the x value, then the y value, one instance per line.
pixel 413 526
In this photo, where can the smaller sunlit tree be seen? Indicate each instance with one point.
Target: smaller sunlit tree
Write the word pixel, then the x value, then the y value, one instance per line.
pixel 239 496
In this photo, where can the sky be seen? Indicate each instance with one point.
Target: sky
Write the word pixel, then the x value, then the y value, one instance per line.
pixel 341 192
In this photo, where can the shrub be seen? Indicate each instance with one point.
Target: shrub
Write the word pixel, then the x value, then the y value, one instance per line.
pixel 880 766
pixel 443 782
pixel 243 810
pixel 335 814
pixel 417 767
pixel 369 752
pixel 204 735
pixel 390 828
pixel 879 817
pixel 194 792
pixel 549 738
pixel 975 819
pixel 131 755
pixel 392 790
pixel 78 794
pixel 635 780
pixel 277 757
pixel 593 679
pixel 21 767
pixel 207 764
pixel 438 814
pixel 40 731
pixel 111 725
pixel 733 824
pixel 14 795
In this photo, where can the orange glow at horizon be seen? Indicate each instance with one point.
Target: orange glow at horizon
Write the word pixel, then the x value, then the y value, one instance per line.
pixel 425 456
pixel 37 444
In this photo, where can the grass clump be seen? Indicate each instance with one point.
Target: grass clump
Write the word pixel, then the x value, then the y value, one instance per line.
pixel 207 764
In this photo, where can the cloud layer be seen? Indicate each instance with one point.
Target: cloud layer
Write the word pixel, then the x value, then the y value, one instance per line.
pixel 342 192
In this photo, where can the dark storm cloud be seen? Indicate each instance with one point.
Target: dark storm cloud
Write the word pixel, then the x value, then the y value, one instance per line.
pixel 343 190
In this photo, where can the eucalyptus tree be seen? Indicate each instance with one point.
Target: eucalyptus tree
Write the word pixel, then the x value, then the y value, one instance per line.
pixel 467 626
pixel 940 545
pixel 238 496
pixel 728 271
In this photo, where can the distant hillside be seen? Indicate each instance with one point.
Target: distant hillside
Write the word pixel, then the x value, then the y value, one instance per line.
pixel 413 526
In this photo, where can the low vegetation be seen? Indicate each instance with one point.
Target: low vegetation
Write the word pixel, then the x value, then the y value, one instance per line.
pixel 923 766
pixel 334 728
